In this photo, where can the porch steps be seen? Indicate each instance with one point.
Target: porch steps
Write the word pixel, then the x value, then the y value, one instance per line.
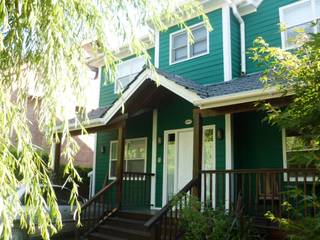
pixel 123 226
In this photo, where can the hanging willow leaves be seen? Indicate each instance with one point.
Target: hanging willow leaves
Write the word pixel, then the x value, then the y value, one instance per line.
pixel 41 45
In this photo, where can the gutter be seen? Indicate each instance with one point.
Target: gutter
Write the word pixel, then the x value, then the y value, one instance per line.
pixel 242 33
pixel 242 97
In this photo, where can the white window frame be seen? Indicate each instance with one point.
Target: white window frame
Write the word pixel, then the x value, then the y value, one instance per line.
pixel 128 62
pixel 285 161
pixel 281 15
pixel 126 141
pixel 172 35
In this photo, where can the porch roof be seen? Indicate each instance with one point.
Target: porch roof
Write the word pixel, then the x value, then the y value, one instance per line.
pixel 199 95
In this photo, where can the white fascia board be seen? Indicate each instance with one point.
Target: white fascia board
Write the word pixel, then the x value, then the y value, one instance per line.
pixel 243 97
pixel 159 80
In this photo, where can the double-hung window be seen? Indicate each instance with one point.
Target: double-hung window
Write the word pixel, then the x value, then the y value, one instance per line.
pixel 126 72
pixel 182 49
pixel 135 156
pixel 299 17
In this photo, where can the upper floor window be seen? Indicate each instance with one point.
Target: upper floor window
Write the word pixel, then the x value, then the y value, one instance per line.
pixel 301 16
pixel 181 49
pixel 126 71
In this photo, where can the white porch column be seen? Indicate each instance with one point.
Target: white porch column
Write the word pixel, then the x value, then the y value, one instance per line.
pixel 154 156
pixel 229 157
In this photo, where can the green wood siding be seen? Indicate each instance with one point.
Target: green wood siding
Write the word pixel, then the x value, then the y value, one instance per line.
pixel 107 95
pixel 263 23
pixel 204 69
pixel 235 46
pixel 256 143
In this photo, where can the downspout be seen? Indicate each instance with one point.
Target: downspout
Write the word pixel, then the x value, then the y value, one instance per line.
pixel 242 34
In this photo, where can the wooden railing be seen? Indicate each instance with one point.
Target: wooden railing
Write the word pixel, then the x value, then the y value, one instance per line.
pixel 97 209
pixel 165 224
pixel 136 190
pixel 261 190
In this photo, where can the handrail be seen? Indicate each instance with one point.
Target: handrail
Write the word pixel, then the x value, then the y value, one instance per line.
pixel 97 209
pixel 166 208
pixel 139 173
pixel 98 194
pixel 261 170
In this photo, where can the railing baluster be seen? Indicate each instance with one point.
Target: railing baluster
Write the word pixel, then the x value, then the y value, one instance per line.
pixel 230 190
pixel 305 193
pixel 211 193
pixel 205 189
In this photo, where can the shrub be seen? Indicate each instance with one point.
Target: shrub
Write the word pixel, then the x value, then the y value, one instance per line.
pixel 199 222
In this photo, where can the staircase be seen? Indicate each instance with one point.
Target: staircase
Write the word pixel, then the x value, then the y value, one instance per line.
pixel 103 217
pixel 123 225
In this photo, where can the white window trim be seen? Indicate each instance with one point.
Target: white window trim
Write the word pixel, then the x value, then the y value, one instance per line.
pixel 285 161
pixel 125 167
pixel 281 16
pixel 188 44
pixel 116 83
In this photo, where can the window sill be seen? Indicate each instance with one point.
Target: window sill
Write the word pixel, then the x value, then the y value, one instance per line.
pixel 187 59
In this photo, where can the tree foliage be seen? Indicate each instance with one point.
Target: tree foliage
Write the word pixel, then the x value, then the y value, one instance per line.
pixel 297 74
pixel 40 45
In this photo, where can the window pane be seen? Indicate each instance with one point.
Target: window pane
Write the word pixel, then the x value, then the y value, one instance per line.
pixel 113 169
pixel 208 150
pixel 297 14
pixel 113 150
pixel 171 156
pixel 179 40
pixel 180 54
pixel 199 33
pixel 317 8
pixel 198 48
pixel 292 34
pixel 135 149
pixel 127 70
pixel 135 165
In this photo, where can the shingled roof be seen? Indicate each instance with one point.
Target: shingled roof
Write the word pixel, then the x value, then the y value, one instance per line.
pixel 242 84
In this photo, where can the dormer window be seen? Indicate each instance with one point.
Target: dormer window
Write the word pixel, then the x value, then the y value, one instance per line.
pixel 301 16
pixel 181 49
pixel 126 72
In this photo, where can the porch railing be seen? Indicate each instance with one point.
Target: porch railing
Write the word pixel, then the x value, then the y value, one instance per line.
pixel 165 224
pixel 97 209
pixel 261 190
pixel 136 190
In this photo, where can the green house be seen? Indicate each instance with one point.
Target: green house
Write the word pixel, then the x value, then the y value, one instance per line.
pixel 192 125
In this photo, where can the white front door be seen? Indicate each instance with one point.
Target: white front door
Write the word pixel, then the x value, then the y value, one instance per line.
pixel 185 158
pixel 178 161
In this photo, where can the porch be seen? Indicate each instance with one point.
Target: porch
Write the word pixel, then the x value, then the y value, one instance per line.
pixel 170 134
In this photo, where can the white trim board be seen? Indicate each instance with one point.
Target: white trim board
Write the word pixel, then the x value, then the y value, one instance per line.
pixel 154 156
pixel 226 36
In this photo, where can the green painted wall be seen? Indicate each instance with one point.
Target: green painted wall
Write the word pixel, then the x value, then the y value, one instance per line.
pixel 172 116
pixel 263 23
pixel 235 46
pixel 107 95
pixel 256 143
pixel 205 69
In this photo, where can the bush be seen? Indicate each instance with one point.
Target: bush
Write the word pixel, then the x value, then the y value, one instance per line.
pixel 200 222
